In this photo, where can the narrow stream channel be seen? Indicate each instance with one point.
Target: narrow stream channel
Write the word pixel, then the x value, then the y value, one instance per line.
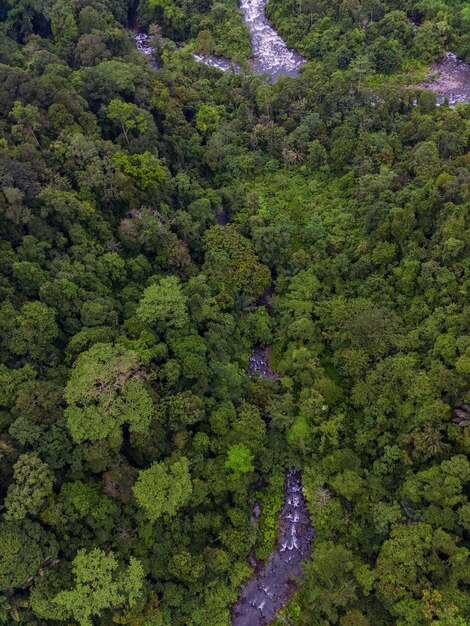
pixel 271 589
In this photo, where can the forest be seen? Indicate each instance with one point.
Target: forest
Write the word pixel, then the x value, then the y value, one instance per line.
pixel 158 220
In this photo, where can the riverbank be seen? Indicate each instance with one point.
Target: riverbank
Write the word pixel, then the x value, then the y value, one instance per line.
pixel 449 78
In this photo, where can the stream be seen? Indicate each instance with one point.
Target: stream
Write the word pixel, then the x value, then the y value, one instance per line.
pixel 270 589
pixel 270 53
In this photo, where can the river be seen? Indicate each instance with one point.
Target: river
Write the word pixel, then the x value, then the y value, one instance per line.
pixel 270 588
pixel 270 53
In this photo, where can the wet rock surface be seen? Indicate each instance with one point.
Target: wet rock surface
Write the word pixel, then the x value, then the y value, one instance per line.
pixel 452 81
pixel 221 63
pixel 259 363
pixel 270 53
pixel 142 42
pixel 273 586
pixel 274 583
pixel 222 217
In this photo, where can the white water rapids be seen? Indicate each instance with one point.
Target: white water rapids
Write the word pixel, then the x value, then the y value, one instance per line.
pixel 270 53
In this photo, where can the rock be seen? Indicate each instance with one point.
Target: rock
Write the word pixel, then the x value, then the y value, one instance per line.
pixel 272 587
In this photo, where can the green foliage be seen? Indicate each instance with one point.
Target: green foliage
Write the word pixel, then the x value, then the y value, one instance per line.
pixel 132 441
pixel 128 117
pixel 207 118
pixel 239 460
pixel 32 484
pixel 105 391
pixel 164 305
pixel 26 546
pixel 99 585
pixel 162 489
pixel 271 502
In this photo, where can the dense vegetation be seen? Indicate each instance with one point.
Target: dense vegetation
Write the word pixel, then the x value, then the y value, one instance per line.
pixel 374 36
pixel 132 442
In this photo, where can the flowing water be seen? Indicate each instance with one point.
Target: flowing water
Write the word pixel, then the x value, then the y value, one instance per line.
pixel 221 63
pixel 270 53
pixel 259 363
pixel 271 589
pixel 452 81
pixel 142 45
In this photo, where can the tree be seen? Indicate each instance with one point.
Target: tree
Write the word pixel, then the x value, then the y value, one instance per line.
pixel 207 118
pixel 25 547
pixel 231 263
pixel 147 169
pixel 27 120
pixel 239 460
pixel 205 42
pixel 330 585
pixel 417 560
pixel 106 390
pixel 129 117
pixel 164 305
pixel 34 330
pixel 33 481
pixel 163 488
pixel 100 584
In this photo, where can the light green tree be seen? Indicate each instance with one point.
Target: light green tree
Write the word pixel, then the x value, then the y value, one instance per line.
pixel 106 390
pixel 207 118
pixel 100 584
pixel 27 120
pixel 164 305
pixel 239 460
pixel 128 116
pixel 162 489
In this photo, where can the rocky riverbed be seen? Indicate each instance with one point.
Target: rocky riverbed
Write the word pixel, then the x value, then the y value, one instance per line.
pixel 450 79
pixel 270 53
pixel 142 45
pixel 273 586
pixel 259 363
